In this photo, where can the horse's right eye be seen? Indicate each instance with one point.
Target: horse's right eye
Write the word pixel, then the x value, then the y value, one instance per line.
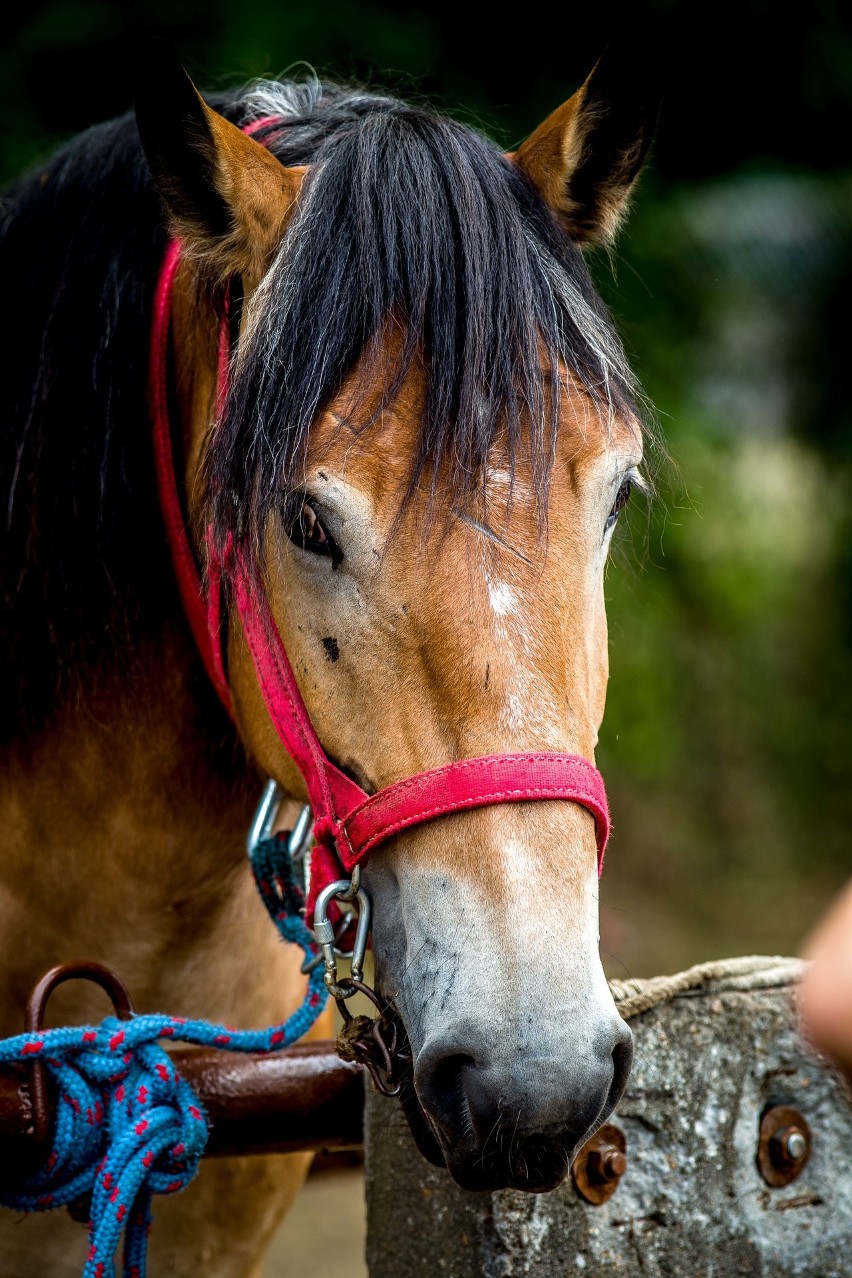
pixel 306 530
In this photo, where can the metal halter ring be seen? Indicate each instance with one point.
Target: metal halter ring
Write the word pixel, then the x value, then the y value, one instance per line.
pixel 111 984
pixel 348 890
pixel 299 840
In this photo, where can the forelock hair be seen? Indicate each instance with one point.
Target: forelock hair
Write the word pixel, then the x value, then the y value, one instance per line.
pixel 407 215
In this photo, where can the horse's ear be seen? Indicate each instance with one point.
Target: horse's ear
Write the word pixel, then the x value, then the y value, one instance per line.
pixel 228 199
pixel 586 156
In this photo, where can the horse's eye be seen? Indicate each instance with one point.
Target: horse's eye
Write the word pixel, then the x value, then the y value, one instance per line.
pixel 620 502
pixel 305 529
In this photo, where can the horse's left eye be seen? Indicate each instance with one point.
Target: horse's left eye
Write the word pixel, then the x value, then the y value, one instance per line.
pixel 620 502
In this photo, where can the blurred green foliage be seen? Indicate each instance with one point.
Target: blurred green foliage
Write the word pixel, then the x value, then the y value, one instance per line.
pixel 728 729
pixel 728 734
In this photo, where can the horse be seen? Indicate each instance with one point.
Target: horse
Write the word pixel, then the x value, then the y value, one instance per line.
pixel 429 431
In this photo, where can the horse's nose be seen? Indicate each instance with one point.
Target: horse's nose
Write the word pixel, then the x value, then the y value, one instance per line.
pixel 517 1117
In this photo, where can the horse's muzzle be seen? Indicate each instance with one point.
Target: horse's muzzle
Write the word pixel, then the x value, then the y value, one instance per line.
pixel 516 1124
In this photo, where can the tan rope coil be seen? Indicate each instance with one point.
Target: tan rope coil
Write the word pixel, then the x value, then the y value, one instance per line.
pixel 751 972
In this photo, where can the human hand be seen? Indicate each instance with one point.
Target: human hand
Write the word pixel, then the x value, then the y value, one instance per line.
pixel 825 996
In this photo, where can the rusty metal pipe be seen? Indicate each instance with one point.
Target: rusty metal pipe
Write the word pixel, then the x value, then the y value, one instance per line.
pixel 304 1098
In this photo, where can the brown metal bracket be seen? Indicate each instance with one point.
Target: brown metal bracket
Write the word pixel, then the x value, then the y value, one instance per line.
pixel 784 1145
pixel 34 1024
pixel 600 1164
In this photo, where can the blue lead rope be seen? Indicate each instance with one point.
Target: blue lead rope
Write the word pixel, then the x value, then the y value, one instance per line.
pixel 127 1125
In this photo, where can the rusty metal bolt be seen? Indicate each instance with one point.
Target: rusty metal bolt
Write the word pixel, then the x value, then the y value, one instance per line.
pixel 605 1164
pixel 784 1145
pixel 600 1164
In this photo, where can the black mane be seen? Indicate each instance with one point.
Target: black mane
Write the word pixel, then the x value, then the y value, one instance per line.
pixel 409 213
pixel 82 565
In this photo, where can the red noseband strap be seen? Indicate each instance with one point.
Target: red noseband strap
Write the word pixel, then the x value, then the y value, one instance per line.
pixel 473 783
pixel 348 823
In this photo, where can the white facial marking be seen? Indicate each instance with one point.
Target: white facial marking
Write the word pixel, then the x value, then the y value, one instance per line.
pixel 498 477
pixel 538 926
pixel 526 698
pixel 520 869
pixel 502 598
pixel 515 712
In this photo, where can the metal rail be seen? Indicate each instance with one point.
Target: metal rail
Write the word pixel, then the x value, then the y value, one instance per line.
pixel 302 1098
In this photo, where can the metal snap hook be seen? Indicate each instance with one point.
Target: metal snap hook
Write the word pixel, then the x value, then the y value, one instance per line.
pixel 299 843
pixel 354 886
pixel 342 926
pixel 265 815
pixel 348 891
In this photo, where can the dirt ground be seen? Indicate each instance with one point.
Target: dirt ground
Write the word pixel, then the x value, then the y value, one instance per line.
pixel 324 1233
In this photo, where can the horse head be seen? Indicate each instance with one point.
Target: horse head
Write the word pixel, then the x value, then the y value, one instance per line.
pixel 429 434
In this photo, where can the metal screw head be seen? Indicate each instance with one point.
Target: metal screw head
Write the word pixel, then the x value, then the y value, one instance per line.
pixel 600 1164
pixel 792 1144
pixel 784 1145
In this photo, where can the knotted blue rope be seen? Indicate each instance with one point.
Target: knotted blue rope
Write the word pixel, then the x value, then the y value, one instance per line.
pixel 127 1125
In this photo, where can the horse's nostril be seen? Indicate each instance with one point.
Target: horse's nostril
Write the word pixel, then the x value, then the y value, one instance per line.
pixel 446 1083
pixel 447 1073
pixel 622 1063
pixel 443 1089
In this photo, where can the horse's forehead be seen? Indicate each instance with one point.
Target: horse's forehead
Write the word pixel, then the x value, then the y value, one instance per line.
pixel 372 445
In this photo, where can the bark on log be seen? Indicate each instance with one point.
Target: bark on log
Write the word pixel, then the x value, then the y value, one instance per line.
pixel 692 1202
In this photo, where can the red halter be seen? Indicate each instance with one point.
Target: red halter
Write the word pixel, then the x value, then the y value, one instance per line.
pixel 348 823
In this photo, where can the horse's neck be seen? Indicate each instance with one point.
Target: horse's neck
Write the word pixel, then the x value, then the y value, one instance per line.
pixel 123 842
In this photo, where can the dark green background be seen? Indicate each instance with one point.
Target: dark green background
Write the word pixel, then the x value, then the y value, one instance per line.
pixel 727 738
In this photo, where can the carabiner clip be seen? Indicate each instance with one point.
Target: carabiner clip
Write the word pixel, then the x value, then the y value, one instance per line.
pixel 350 891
